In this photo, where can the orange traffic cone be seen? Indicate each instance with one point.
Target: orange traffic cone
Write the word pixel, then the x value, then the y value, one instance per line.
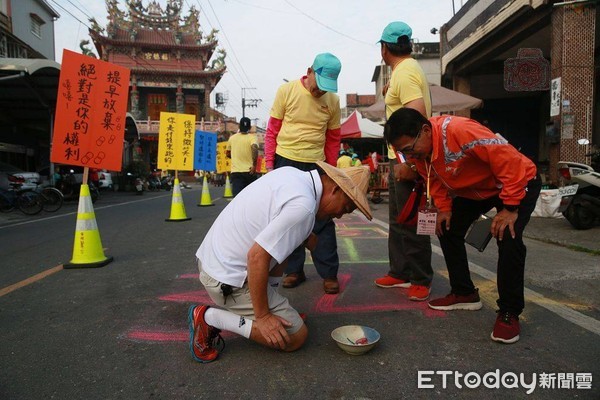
pixel 228 194
pixel 87 247
pixel 177 206
pixel 205 199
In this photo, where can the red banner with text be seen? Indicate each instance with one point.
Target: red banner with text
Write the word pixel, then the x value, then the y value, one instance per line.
pixel 91 108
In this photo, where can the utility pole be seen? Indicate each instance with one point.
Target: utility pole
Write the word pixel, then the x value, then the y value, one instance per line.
pixel 248 102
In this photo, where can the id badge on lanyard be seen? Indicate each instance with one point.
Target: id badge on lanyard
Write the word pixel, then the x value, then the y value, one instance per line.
pixel 427 216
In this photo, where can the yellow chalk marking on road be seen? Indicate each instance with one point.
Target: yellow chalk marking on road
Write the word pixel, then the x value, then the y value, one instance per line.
pixel 30 280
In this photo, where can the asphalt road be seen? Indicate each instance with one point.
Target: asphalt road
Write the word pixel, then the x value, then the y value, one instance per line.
pixel 120 332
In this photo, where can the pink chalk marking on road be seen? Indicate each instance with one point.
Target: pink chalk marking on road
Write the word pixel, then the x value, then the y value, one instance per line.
pixel 188 276
pixel 199 296
pixel 348 232
pixel 162 336
pixel 326 303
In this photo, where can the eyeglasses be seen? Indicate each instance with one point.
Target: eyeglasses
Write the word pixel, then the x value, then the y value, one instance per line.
pixel 411 148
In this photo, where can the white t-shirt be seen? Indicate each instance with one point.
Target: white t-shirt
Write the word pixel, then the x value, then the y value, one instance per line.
pixel 277 211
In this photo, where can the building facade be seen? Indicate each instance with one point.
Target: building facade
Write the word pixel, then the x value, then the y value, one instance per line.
pixel 27 29
pixel 28 82
pixel 535 65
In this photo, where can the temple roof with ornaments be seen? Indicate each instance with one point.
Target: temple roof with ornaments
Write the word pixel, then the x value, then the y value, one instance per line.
pixel 152 40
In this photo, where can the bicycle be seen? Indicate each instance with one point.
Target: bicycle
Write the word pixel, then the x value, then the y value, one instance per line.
pixel 28 201
pixel 51 196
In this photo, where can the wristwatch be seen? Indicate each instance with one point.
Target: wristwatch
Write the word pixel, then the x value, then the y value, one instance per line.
pixel 511 208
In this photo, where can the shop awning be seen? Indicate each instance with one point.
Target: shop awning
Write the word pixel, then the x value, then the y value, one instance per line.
pixel 28 90
pixel 442 100
pixel 355 126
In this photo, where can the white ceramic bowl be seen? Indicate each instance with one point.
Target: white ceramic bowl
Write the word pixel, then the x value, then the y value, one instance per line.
pixel 355 339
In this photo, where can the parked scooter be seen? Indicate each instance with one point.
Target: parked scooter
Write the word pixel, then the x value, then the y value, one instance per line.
pixel 138 184
pixel 166 182
pixel 70 187
pixel 154 183
pixel 580 203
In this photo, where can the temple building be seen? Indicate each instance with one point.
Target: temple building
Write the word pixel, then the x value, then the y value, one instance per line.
pixel 169 59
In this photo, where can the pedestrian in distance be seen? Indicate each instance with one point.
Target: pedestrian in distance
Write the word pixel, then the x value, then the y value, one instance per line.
pixel 409 253
pixel 243 255
pixel 344 160
pixel 303 128
pixel 242 148
pixel 468 171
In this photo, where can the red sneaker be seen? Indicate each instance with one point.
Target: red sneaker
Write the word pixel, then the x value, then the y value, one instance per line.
pixel 418 292
pixel 389 282
pixel 453 301
pixel 506 328
pixel 204 338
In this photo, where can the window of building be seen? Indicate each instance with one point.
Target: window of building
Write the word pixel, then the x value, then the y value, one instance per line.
pixel 36 25
pixel 3 45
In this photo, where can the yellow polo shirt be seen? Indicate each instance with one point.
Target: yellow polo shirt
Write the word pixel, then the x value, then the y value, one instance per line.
pixel 408 83
pixel 344 162
pixel 305 121
pixel 240 145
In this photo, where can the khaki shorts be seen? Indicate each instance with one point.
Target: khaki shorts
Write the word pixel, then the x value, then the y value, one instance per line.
pixel 239 302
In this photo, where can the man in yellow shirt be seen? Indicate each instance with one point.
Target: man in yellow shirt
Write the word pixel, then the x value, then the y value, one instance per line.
pixel 303 128
pixel 344 161
pixel 242 148
pixel 409 253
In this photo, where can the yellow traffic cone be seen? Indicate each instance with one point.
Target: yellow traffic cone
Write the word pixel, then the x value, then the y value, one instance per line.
pixel 228 194
pixel 87 247
pixel 177 206
pixel 205 199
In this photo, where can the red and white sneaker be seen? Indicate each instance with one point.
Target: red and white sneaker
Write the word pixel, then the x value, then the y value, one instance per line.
pixel 418 292
pixel 453 301
pixel 390 282
pixel 204 339
pixel 507 328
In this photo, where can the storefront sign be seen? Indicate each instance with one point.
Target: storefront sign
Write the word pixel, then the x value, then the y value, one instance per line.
pixel 555 97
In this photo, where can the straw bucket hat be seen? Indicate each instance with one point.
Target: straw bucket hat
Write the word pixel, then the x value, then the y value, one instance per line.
pixel 354 181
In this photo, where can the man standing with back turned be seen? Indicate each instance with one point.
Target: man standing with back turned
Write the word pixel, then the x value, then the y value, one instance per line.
pixel 409 253
pixel 242 148
pixel 304 128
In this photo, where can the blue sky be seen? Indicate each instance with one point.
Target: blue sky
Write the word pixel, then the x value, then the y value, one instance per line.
pixel 268 41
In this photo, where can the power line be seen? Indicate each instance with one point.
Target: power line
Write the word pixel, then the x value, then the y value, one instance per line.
pixel 79 9
pixel 71 14
pixel 230 45
pixel 233 66
pixel 327 26
pixel 264 8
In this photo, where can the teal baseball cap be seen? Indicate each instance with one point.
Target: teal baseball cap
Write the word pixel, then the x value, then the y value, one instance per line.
pixel 394 30
pixel 327 67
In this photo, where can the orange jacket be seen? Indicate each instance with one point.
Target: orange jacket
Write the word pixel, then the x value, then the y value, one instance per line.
pixel 468 160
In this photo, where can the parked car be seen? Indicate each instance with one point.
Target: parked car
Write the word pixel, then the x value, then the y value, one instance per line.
pixel 105 179
pixel 28 180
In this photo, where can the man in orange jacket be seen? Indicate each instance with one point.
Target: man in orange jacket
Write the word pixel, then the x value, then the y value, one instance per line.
pixel 469 170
